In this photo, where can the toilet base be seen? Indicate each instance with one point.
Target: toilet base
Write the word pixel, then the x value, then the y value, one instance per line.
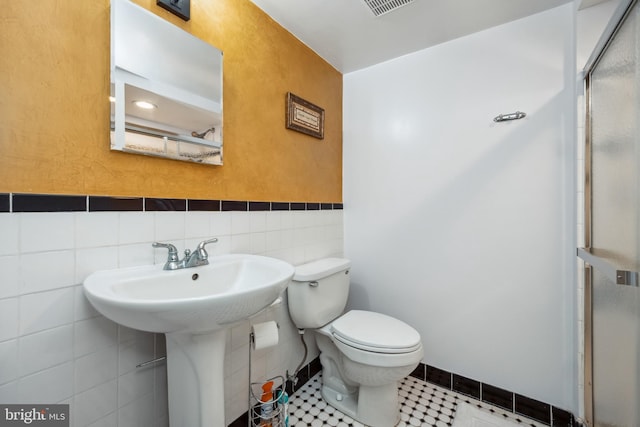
pixel 373 406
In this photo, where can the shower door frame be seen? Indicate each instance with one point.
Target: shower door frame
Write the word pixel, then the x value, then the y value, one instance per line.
pixel 608 35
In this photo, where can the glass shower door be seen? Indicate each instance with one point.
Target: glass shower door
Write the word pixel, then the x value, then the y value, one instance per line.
pixel 613 176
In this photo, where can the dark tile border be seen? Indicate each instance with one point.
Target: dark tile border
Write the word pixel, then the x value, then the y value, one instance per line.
pixel 280 206
pixel 497 397
pixel 533 409
pixel 560 417
pixel 439 377
pixel 234 205
pixel 203 205
pixel 259 206
pixel 111 204
pixel 153 204
pixel 19 202
pixel 315 366
pixel 420 372
pixel 507 400
pixel 48 203
pixel 241 421
pixel 5 202
pixel 466 386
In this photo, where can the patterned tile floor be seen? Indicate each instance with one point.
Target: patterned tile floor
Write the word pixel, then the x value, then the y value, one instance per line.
pixel 422 404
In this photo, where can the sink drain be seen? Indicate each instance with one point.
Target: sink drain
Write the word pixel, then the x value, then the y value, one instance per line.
pixel 194 276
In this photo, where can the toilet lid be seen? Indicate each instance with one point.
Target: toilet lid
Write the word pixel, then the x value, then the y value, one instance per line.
pixel 375 332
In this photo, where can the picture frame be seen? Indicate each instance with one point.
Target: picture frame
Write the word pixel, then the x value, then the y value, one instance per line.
pixel 305 117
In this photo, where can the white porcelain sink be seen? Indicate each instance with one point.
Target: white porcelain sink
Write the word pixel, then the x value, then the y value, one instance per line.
pixel 200 299
pixel 193 307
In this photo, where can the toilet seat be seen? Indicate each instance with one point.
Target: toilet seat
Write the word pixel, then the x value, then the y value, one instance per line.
pixel 375 332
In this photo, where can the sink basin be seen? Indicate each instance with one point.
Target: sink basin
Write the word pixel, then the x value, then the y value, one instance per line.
pixel 193 307
pixel 195 300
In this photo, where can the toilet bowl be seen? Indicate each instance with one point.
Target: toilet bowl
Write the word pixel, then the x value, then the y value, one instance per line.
pixel 363 354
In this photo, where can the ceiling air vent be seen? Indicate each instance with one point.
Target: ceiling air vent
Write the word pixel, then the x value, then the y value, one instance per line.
pixel 381 7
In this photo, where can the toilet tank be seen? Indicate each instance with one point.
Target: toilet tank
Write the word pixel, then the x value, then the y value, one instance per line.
pixel 318 292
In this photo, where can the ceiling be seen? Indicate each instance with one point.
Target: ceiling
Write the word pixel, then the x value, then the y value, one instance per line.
pixel 348 35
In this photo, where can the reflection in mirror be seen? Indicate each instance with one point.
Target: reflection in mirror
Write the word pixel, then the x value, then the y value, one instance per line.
pixel 166 88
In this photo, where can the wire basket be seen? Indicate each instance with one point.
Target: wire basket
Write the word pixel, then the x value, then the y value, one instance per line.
pixel 267 413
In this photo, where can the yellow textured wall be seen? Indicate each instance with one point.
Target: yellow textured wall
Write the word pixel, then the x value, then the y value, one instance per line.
pixel 54 108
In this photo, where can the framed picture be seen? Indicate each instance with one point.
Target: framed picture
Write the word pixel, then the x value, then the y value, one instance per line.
pixel 304 116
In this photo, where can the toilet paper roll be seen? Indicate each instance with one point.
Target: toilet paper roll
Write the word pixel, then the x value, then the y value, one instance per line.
pixel 265 335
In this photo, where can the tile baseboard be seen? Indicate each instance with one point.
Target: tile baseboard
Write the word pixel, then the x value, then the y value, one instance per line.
pixel 503 399
pixel 495 396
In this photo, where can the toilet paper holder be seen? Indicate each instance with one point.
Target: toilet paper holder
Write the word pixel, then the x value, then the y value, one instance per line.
pixel 263 411
pixel 264 335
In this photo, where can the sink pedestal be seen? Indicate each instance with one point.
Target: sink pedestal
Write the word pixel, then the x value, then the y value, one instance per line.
pixel 195 376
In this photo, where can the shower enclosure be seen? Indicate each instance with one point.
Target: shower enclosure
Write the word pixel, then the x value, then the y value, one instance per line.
pixel 612 217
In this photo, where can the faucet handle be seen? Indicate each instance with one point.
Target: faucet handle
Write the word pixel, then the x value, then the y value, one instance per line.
pixel 201 251
pixel 202 244
pixel 173 252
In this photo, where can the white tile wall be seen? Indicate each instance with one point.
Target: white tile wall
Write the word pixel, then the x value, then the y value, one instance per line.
pixel 9 265
pixel 45 310
pixel 49 385
pixel 9 230
pixel 56 348
pixel 8 361
pixel 8 318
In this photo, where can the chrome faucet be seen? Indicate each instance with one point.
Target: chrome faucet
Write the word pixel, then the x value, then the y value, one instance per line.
pixel 199 256
pixel 191 259
pixel 173 261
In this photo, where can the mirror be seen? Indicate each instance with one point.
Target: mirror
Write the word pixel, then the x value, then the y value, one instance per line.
pixel 166 88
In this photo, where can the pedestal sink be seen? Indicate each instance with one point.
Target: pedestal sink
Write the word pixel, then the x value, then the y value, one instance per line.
pixel 194 307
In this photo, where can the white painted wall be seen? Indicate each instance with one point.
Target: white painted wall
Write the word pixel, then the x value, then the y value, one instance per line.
pixel 462 227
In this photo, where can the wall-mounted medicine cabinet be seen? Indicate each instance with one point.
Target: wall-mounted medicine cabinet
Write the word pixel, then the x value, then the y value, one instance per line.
pixel 166 88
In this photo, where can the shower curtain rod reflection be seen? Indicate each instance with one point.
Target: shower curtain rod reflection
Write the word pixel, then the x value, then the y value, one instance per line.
pixel 173 137
pixel 511 116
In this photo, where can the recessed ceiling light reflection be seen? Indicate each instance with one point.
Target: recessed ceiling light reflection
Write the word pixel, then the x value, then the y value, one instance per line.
pixel 145 105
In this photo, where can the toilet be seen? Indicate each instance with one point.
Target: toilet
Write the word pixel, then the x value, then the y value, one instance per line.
pixel 363 354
